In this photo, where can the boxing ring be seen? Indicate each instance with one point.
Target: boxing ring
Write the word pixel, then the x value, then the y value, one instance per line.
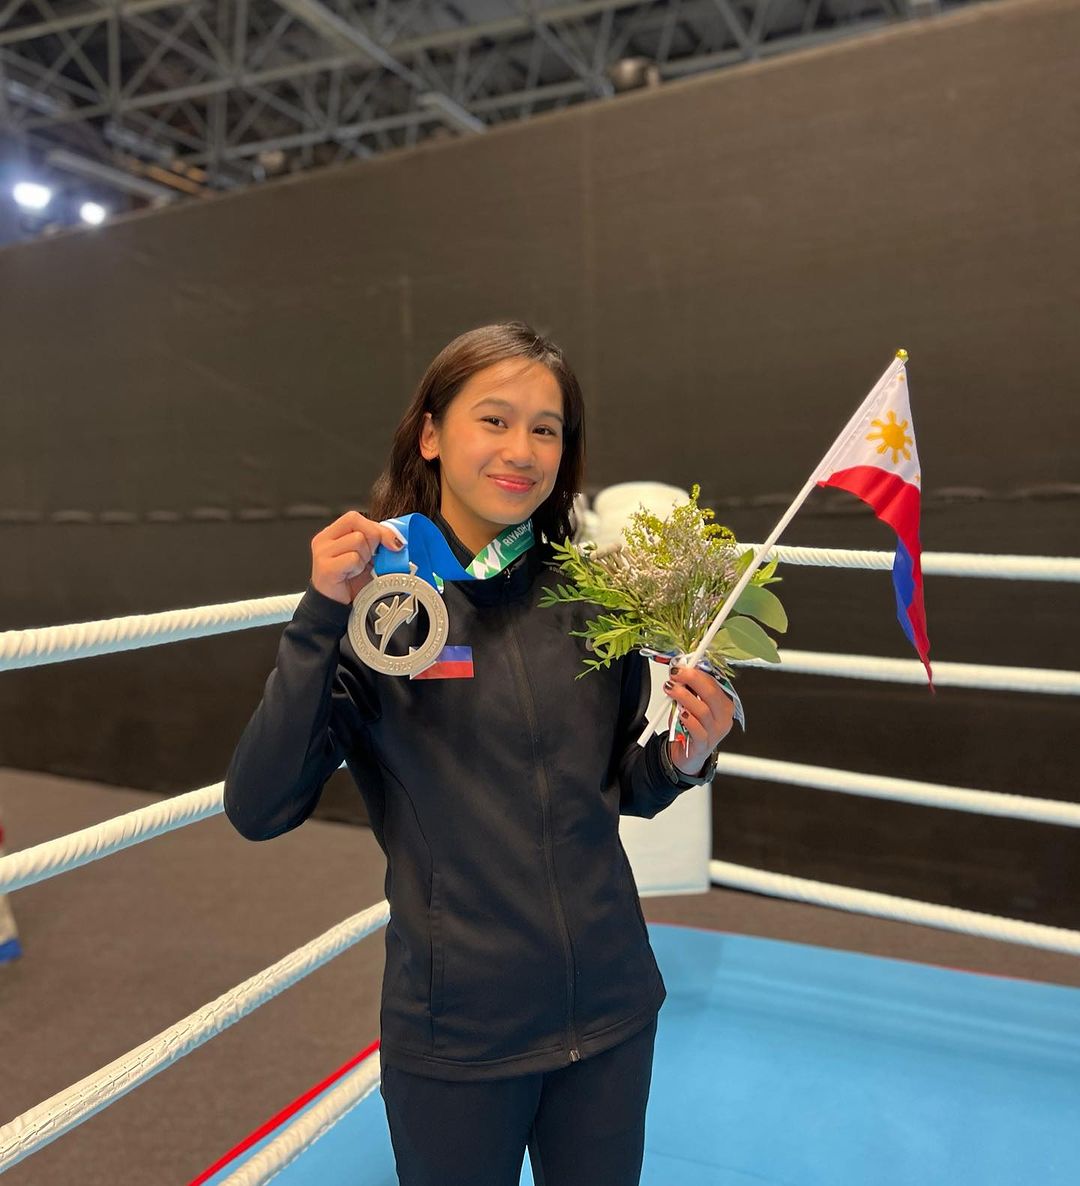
pixel 775 1062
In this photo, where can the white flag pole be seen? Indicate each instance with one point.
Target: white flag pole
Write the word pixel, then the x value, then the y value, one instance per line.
pixel 853 425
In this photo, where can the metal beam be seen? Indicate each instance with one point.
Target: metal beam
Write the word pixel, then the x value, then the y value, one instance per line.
pixel 573 89
pixel 337 31
pixel 89 16
pixel 71 162
pixel 489 30
pixel 729 57
pixel 735 26
pixel 35 100
pixel 556 91
pixel 601 86
pixel 350 132
pixel 385 91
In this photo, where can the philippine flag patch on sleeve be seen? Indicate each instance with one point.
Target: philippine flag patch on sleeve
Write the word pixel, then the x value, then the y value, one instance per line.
pixel 452 663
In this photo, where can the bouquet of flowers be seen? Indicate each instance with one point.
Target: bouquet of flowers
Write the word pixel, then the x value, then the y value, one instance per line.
pixel 661 588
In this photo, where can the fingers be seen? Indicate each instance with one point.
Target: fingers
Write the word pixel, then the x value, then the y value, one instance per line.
pixel 342 553
pixel 701 699
pixel 352 541
pixel 345 564
pixel 698 681
pixel 699 734
pixel 692 709
pixel 353 532
pixel 343 524
pixel 354 521
pixel 684 686
pixel 390 538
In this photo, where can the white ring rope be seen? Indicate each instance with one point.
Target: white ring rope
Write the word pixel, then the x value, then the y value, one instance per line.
pixel 58 644
pixel 940 564
pixel 949 918
pixel 352 1089
pixel 901 790
pixel 81 640
pixel 60 1113
pixel 985 676
pixel 45 860
pixel 52 857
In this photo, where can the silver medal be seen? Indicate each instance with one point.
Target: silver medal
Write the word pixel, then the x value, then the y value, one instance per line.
pixel 408 592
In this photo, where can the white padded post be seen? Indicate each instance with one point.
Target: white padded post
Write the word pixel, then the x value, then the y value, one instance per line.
pixel 669 853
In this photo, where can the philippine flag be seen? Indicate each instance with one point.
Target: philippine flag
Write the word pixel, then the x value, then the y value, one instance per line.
pixel 876 460
pixel 451 663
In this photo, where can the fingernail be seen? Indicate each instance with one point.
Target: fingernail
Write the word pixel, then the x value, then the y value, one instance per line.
pixel 684 713
pixel 673 668
pixel 668 684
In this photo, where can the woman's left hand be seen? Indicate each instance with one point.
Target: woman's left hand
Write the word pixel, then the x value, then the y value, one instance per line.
pixel 705 711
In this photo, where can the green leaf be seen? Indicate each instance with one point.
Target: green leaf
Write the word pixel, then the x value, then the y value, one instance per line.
pixel 748 636
pixel 766 571
pixel 743 562
pixel 612 598
pixel 765 606
pixel 723 644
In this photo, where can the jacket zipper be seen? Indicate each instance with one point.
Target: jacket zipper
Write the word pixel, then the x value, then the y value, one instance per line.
pixel 545 798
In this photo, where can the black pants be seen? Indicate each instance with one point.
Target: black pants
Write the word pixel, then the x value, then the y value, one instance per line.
pixel 583 1124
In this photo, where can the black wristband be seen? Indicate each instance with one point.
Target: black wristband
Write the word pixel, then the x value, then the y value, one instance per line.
pixel 677 777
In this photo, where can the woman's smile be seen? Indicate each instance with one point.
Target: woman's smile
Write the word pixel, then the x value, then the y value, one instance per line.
pixel 513 485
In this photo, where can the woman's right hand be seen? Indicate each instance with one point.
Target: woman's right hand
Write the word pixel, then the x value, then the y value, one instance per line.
pixel 341 555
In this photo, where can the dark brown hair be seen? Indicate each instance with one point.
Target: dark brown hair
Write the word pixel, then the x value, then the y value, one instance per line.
pixel 411 483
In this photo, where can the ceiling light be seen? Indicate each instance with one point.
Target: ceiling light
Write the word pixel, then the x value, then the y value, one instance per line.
pixel 32 196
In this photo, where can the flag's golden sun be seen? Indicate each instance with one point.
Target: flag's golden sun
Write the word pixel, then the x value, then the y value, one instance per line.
pixel 892 436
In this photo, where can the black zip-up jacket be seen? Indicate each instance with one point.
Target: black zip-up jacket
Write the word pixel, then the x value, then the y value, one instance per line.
pixel 516 941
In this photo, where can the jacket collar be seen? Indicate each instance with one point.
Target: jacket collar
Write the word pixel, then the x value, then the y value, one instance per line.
pixel 509 585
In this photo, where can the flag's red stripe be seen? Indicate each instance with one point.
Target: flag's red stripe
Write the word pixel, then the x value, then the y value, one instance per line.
pixel 896 503
pixel 455 669
pixel 893 500
pixel 283 1115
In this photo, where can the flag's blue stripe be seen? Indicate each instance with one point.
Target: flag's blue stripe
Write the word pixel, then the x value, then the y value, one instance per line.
pixel 10 950
pixel 903 576
pixel 455 654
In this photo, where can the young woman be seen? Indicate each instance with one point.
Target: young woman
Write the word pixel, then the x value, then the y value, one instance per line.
pixel 520 992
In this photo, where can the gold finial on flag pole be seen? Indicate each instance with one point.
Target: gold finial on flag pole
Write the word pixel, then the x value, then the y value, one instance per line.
pixel 902 354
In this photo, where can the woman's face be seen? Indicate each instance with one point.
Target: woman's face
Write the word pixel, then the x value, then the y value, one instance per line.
pixel 506 422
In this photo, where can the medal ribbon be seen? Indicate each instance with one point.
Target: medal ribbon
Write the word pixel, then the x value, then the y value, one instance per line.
pixel 426 547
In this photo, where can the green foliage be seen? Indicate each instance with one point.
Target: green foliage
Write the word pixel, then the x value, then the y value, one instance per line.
pixel 759 603
pixel 664 584
pixel 749 639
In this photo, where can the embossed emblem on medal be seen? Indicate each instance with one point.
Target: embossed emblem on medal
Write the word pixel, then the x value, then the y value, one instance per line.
pixel 396 598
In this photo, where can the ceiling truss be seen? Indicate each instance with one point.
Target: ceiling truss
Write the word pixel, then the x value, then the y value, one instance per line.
pixel 198 96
